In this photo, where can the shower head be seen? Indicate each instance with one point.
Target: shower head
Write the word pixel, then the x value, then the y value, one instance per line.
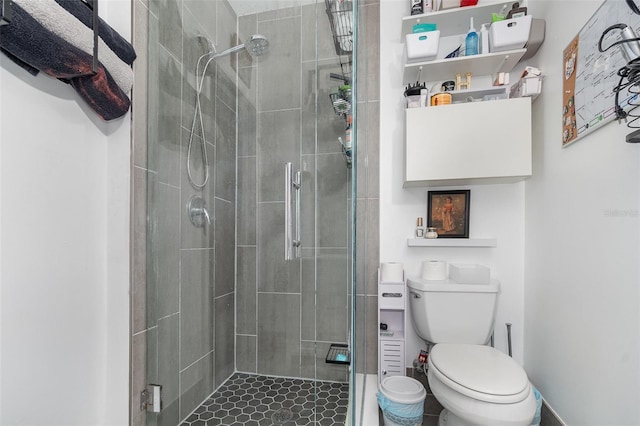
pixel 256 45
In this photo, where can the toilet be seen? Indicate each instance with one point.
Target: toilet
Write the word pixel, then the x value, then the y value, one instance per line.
pixel 476 384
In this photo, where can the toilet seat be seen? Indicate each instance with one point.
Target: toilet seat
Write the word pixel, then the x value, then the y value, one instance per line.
pixel 479 372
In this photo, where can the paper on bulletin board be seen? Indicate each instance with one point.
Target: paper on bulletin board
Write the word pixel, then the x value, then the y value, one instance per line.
pixel 590 76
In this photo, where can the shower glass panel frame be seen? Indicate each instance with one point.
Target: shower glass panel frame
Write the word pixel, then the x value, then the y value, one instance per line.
pixel 223 306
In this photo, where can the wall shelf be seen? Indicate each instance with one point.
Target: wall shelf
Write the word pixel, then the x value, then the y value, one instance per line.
pixel 454 21
pixel 446 69
pixel 452 242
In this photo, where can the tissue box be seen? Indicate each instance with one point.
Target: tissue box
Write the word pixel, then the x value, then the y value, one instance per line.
pixel 509 34
pixel 423 46
pixel 469 274
pixel 449 4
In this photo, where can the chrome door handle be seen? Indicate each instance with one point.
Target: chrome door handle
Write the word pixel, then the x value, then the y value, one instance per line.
pixel 291 235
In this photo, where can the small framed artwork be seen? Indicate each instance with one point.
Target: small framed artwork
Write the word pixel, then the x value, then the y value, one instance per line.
pixel 448 212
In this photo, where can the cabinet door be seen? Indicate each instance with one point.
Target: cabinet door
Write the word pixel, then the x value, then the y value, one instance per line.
pixel 391 358
pixel 475 142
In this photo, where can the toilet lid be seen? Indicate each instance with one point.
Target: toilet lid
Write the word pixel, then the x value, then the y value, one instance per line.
pixel 480 372
pixel 403 389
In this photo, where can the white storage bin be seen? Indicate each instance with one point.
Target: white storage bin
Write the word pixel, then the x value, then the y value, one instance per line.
pixel 422 46
pixel 469 273
pixel 527 86
pixel 509 34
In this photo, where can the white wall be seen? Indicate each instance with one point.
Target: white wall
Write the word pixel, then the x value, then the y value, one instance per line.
pixel 64 227
pixel 582 328
pixel 497 211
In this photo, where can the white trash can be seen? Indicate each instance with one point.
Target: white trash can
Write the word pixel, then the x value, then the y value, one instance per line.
pixel 402 401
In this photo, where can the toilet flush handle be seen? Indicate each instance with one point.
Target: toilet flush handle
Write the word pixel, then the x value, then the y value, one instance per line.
pixel 415 295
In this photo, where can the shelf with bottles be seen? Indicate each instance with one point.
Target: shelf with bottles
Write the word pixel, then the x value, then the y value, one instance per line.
pixel 453 26
pixel 455 21
pixel 446 69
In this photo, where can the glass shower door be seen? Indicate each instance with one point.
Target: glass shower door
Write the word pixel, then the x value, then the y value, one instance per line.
pixel 241 329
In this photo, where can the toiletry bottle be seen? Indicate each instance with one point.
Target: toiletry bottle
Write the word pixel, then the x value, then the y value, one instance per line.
pixel 419 228
pixel 348 131
pixel 431 233
pixel 471 41
pixel 484 39
pixel 516 11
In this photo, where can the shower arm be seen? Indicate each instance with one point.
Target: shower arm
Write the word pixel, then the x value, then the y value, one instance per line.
pixel 228 51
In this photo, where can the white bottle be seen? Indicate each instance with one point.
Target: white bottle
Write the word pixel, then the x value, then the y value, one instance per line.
pixel 419 228
pixel 484 38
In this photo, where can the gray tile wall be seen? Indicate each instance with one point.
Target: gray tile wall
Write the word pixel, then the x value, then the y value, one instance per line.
pixel 302 305
pixel 368 160
pixel 183 280
pixel 276 115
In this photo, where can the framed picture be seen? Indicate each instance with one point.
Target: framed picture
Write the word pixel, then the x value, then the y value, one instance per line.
pixel 448 212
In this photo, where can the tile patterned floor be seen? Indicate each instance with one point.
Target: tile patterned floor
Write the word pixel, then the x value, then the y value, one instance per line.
pixel 252 400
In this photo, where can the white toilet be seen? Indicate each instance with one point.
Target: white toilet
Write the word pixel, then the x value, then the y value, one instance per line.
pixel 476 384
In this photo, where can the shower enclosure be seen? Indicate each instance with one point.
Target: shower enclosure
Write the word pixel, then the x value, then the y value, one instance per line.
pixel 250 237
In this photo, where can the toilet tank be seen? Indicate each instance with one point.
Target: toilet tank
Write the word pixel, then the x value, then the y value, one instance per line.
pixel 448 312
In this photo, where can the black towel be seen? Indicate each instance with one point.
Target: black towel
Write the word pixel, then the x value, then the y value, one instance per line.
pixel 25 39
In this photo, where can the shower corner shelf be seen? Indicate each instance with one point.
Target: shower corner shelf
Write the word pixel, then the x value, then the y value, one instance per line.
pixel 452 242
pixel 338 354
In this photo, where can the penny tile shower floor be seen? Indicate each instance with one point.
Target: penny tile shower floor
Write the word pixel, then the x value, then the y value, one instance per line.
pixel 247 399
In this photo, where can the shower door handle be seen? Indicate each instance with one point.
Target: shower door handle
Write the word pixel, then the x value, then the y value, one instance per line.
pixel 291 231
pixel 297 185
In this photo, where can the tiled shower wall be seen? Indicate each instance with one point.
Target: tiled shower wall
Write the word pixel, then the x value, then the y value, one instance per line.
pixel 183 282
pixel 274 103
pixel 368 193
pixel 289 312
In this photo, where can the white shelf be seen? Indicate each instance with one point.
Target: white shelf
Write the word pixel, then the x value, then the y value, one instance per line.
pixel 452 242
pixel 454 21
pixel 446 69
pixel 397 335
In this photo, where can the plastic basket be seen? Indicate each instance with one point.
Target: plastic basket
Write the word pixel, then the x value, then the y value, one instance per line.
pixel 537 417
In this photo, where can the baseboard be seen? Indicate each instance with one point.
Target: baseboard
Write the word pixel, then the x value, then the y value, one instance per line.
pixel 549 417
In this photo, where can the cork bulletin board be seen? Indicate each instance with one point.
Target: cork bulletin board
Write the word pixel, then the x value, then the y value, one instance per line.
pixel 590 76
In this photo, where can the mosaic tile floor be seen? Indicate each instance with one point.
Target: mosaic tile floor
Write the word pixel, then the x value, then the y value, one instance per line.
pixel 252 400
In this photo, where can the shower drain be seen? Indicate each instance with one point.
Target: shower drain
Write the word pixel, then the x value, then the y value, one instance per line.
pixel 281 416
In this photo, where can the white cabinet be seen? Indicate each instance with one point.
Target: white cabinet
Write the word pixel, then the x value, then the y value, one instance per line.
pixel 391 343
pixel 465 142
pixel 460 144
pixel 391 358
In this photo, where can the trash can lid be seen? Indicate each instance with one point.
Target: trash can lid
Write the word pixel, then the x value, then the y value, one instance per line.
pixel 403 389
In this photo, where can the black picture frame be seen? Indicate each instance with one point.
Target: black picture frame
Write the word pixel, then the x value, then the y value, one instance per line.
pixel 448 212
